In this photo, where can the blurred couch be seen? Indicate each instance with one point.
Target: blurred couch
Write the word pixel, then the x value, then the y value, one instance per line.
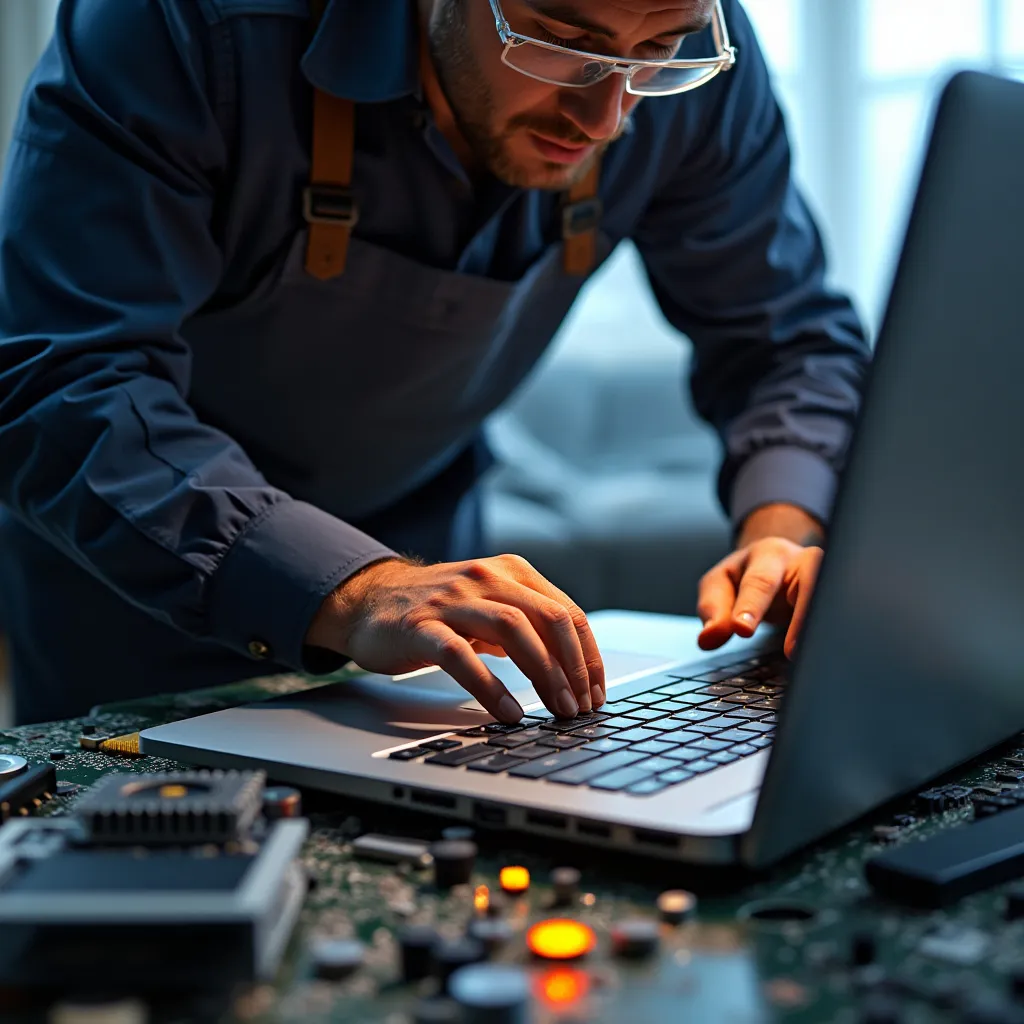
pixel 605 478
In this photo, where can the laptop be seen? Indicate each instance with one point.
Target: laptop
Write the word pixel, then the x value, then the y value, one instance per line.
pixel 912 657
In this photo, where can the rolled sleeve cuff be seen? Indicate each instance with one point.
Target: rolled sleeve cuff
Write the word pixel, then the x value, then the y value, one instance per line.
pixel 789 476
pixel 276 575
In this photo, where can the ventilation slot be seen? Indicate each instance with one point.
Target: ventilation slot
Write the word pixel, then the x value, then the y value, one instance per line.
pixel 546 820
pixel 422 796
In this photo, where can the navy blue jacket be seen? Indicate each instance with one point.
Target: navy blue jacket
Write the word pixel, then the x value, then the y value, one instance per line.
pixel 192 429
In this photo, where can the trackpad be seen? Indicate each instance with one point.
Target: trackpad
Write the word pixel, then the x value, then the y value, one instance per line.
pixel 619 667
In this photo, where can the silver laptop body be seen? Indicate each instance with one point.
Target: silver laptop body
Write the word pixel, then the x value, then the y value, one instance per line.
pixel 912 659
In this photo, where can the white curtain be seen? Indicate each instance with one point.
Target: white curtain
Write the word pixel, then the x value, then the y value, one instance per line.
pixel 25 27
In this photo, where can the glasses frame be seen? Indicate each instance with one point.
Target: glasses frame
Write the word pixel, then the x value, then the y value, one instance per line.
pixel 725 60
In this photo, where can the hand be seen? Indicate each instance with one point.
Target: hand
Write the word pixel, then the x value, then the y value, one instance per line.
pixel 396 617
pixel 769 580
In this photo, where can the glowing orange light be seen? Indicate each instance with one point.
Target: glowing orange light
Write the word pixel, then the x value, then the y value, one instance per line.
pixel 514 879
pixel 562 987
pixel 560 938
pixel 481 898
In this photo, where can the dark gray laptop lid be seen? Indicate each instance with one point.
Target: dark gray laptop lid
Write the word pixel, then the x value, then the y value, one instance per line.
pixel 913 656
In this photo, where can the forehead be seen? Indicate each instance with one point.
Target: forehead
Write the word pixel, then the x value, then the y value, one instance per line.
pixel 624 18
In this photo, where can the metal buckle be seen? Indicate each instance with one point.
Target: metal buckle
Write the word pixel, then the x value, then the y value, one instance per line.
pixel 330 204
pixel 581 218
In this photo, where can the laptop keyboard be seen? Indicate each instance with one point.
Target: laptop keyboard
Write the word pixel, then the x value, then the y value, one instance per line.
pixel 643 743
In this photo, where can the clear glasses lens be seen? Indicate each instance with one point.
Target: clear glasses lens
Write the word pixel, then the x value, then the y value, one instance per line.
pixel 665 81
pixel 566 69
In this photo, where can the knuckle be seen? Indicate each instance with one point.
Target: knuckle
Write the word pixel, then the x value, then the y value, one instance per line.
pixel 509 619
pixel 517 563
pixel 557 618
pixel 449 650
pixel 479 572
pixel 760 584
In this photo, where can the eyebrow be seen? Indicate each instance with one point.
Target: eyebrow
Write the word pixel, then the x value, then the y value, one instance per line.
pixel 569 15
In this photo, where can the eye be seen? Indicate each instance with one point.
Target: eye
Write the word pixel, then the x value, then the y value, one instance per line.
pixel 663 51
pixel 547 37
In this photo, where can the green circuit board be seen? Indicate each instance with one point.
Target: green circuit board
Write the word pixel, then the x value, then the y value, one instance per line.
pixel 783 947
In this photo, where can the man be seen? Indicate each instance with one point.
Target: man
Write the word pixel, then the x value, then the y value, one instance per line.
pixel 226 402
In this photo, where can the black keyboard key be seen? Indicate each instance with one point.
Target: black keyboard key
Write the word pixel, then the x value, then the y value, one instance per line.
pixel 619 722
pixel 772 704
pixel 593 732
pixel 606 746
pixel 719 690
pixel 686 754
pixel 645 714
pixel 453 758
pixel 756 727
pixel 477 730
pixel 657 764
pixel 699 767
pixel 494 764
pixel 680 736
pixel 744 749
pixel 647 787
pixel 564 742
pixel 751 714
pixel 718 707
pixel 441 745
pixel 764 689
pixel 678 688
pixel 562 725
pixel 711 727
pixel 709 745
pixel 581 773
pixel 664 724
pixel 743 698
pixel 531 751
pixel 638 735
pixel 761 742
pixel 694 715
pixel 517 739
pixel 409 754
pixel 675 776
pixel 720 674
pixel 501 728
pixel 543 766
pixel 733 736
pixel 651 747
pixel 770 719
pixel 619 780
pixel 724 757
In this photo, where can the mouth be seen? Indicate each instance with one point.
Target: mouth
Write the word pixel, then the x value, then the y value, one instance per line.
pixel 561 152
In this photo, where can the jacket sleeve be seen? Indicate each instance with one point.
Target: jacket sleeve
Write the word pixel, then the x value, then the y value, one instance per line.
pixel 737 264
pixel 106 248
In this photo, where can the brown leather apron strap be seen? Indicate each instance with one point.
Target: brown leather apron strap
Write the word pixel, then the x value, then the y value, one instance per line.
pixel 328 205
pixel 581 218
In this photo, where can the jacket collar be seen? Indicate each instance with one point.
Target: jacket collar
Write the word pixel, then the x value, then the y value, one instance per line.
pixel 366 50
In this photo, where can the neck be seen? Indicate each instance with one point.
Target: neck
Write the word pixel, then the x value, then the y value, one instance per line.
pixel 444 117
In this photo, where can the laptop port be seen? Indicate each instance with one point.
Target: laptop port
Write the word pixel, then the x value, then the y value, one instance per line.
pixel 546 820
pixel 422 796
pixel 488 814
pixel 591 828
pixel 655 839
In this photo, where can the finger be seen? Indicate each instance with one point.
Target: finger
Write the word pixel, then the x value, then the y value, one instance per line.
pixel 565 625
pixel 510 628
pixel 484 648
pixel 715 600
pixel 763 578
pixel 807 579
pixel 437 644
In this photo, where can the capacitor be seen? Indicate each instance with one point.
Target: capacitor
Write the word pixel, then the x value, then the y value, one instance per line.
pixel 491 993
pixel 281 802
pixel 676 905
pixel 635 938
pixel 451 954
pixel 57 755
pixel 491 932
pixel 454 860
pixel 566 885
pixel 417 943
pixel 334 959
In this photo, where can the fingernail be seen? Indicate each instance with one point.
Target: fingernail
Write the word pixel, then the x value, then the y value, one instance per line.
pixel 509 710
pixel 597 695
pixel 584 701
pixel 566 704
pixel 746 617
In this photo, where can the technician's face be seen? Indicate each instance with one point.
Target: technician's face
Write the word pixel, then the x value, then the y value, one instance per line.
pixel 528 133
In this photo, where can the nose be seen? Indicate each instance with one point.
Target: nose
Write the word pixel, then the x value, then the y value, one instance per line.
pixel 597 111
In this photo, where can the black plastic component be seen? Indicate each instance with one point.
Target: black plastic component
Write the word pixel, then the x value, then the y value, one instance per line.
pixel 953 864
pixel 932 801
pixel 57 755
pixel 863 949
pixel 37 783
pixel 491 932
pixel 417 943
pixel 334 959
pixel 566 885
pixel 451 954
pixel 635 938
pixel 1014 905
pixel 453 862
pixel 281 802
